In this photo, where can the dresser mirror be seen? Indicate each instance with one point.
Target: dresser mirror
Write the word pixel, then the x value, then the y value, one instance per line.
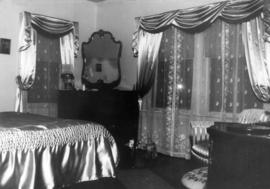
pixel 101 61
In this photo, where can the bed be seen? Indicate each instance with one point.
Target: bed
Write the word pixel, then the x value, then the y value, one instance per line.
pixel 42 152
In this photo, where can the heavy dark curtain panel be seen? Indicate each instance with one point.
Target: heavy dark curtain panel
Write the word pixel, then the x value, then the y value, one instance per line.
pixel 147 61
pixel 42 97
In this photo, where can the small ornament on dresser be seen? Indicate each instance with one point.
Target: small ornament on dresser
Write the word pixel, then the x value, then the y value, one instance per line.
pixel 68 81
pixel 130 144
pixel 146 154
pixel 151 150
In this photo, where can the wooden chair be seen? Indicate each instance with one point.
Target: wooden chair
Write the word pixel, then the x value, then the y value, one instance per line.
pixel 200 138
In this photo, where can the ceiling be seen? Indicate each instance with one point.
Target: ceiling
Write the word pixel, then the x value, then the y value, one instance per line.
pixel 112 1
pixel 96 1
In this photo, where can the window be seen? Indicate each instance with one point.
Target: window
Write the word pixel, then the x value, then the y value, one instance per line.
pixel 204 72
pixel 230 89
pixel 175 69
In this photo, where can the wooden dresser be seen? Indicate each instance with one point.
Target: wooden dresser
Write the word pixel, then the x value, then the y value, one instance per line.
pixel 117 110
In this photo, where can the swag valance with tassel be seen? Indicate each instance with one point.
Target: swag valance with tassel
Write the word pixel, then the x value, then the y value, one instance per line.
pixel 250 13
pixel 51 25
pixel 68 33
pixel 199 18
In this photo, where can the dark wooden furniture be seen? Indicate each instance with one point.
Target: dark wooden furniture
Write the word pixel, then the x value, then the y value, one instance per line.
pixel 117 110
pixel 239 156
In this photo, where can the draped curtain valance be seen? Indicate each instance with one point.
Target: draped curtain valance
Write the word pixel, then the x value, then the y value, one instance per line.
pixel 48 24
pixel 199 18
pixel 266 21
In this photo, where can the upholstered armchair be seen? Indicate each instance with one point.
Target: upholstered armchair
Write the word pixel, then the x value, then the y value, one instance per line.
pixel 197 178
pixel 200 137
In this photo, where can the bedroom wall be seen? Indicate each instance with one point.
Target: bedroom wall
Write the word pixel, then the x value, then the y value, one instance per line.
pixel 75 10
pixel 118 16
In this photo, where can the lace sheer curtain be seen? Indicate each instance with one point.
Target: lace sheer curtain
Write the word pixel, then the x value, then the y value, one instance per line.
pixel 200 75
pixel 42 96
pixel 166 109
pixel 230 88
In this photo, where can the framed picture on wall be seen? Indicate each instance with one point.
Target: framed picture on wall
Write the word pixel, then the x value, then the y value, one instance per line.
pixel 5 46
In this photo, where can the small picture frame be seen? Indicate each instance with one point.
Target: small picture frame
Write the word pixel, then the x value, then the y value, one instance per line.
pixel 98 67
pixel 5 46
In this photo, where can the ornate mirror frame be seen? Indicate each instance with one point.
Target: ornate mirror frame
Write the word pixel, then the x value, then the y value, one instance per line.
pixel 101 61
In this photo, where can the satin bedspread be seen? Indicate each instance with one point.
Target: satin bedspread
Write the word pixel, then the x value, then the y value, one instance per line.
pixel 39 152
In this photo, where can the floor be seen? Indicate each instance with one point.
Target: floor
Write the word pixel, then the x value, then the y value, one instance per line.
pixel 163 172
pixel 142 179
